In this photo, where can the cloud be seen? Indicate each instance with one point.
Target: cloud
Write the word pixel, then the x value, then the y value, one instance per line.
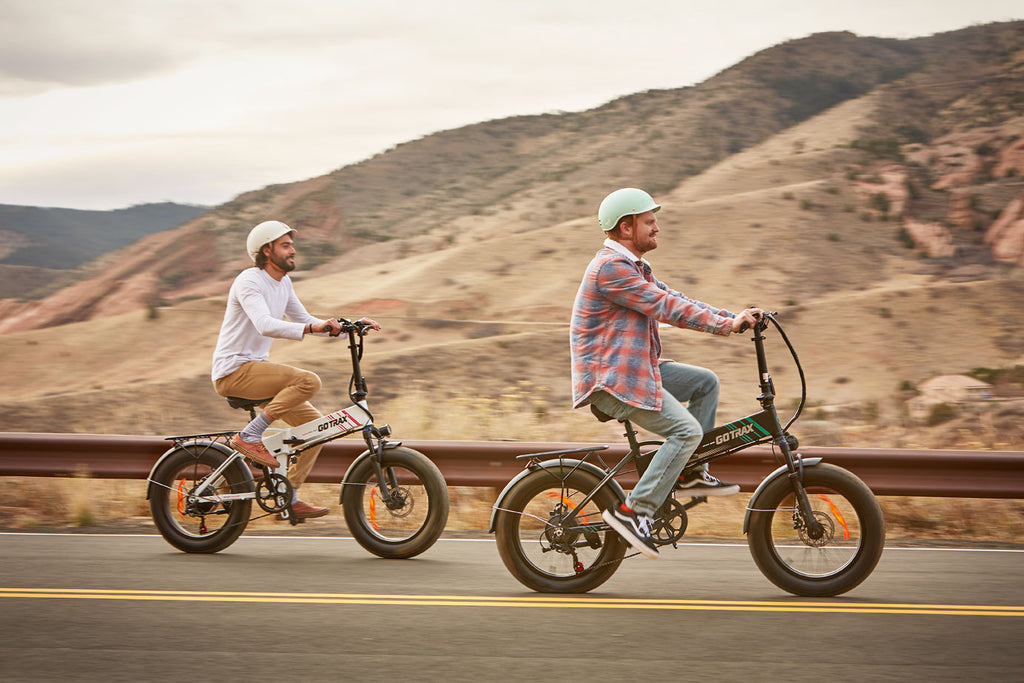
pixel 72 43
pixel 199 99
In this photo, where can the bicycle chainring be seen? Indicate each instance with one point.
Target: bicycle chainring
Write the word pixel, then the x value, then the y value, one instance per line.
pixel 669 523
pixel 274 493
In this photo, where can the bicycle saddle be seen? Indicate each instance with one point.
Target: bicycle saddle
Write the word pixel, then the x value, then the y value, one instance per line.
pixel 247 403
pixel 600 415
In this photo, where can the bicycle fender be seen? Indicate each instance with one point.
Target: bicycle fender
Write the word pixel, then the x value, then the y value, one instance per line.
pixel 782 471
pixel 205 445
pixel 590 468
pixel 361 457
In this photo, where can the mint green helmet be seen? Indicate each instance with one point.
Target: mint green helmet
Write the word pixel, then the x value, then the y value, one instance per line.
pixel 628 201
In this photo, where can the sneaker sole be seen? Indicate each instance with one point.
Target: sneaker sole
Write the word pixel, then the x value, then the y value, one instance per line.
pixel 623 531
pixel 698 491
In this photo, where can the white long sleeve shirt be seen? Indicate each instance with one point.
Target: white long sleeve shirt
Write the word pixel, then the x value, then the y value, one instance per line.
pixel 257 306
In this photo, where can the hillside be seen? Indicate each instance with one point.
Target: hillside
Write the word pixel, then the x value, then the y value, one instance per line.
pixel 793 180
pixel 42 247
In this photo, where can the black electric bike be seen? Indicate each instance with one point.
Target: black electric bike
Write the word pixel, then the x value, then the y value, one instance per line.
pixel 814 529
pixel 395 499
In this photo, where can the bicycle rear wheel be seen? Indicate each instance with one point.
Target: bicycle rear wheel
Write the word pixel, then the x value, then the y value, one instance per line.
pixel 194 523
pixel 546 554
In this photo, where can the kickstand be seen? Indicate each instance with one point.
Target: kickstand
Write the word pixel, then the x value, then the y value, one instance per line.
pixel 289 514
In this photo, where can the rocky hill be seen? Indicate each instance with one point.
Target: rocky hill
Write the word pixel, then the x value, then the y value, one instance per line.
pixel 43 248
pixel 942 150
pixel 869 189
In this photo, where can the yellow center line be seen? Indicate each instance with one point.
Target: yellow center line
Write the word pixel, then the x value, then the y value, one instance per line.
pixel 516 601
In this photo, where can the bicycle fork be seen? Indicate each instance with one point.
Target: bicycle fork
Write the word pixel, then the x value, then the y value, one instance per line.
pixel 387 482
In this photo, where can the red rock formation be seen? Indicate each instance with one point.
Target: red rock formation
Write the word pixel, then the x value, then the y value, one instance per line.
pixel 933 238
pixel 1006 236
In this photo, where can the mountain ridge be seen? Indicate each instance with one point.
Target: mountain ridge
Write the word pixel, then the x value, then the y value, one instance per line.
pixel 544 167
pixel 810 219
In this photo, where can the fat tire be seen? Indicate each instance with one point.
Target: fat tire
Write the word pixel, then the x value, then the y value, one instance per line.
pixel 163 481
pixel 870 520
pixel 509 542
pixel 437 504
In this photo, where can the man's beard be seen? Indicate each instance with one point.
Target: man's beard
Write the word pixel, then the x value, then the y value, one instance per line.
pixel 282 263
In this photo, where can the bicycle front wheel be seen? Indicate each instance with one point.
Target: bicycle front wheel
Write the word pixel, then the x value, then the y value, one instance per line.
pixel 413 517
pixel 192 520
pixel 546 551
pixel 808 563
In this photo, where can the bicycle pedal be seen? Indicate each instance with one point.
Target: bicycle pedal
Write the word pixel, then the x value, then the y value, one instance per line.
pixel 695 500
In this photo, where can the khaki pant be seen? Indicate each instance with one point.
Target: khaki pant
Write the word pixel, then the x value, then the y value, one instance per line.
pixel 291 389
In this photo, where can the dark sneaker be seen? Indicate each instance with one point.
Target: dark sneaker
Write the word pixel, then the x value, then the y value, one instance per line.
pixel 634 528
pixel 256 452
pixel 700 483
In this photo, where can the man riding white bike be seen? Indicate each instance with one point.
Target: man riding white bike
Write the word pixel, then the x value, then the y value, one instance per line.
pixel 260 299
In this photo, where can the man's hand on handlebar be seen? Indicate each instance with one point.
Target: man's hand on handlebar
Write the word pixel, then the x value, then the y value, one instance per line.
pixel 746 319
pixel 331 327
pixel 340 325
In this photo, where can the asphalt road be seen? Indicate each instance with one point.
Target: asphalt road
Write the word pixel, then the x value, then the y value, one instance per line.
pixel 131 608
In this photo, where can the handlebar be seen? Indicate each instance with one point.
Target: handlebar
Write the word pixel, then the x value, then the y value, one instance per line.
pixel 762 322
pixel 358 327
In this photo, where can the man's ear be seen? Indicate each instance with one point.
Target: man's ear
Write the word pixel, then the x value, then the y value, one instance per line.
pixel 626 227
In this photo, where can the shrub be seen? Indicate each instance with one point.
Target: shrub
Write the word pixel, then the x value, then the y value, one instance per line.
pixel 904 236
pixel 940 412
pixel 880 201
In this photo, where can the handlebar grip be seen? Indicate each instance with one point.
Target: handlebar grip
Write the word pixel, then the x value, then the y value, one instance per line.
pixel 358 326
pixel 744 326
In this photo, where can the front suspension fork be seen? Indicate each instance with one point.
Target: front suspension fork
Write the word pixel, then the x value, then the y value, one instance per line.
pixel 803 503
pixel 387 483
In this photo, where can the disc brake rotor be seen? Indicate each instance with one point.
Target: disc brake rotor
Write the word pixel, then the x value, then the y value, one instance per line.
pixel 828 530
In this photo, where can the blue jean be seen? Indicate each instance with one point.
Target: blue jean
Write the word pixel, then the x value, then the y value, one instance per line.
pixel 681 427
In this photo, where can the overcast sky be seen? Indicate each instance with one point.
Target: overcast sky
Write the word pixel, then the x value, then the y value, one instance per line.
pixel 119 102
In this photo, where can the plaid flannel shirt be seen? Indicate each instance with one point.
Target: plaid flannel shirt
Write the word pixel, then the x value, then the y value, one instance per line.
pixel 614 329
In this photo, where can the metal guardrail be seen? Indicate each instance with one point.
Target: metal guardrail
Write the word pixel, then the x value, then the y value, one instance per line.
pixel 889 472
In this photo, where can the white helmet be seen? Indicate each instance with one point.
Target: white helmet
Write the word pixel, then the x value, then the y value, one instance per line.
pixel 264 233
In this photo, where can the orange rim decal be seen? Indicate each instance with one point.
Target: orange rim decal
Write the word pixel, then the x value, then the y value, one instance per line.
pixel 373 509
pixel 568 503
pixel 838 515
pixel 180 488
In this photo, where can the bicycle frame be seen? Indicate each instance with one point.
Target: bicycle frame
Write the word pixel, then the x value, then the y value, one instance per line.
pixel 719 442
pixel 286 443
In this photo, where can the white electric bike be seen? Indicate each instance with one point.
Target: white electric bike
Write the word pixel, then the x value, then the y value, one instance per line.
pixel 395 499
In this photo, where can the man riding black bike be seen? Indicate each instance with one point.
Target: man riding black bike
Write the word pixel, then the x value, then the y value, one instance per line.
pixel 616 364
